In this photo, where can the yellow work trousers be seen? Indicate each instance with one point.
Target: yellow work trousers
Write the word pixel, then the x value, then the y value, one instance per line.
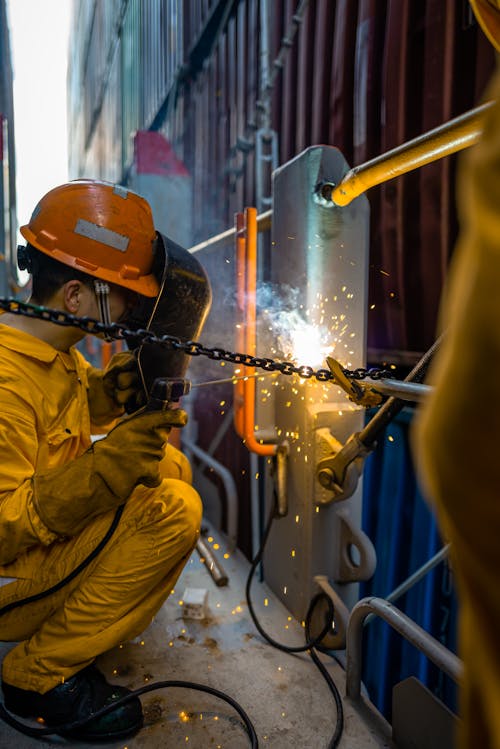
pixel 111 601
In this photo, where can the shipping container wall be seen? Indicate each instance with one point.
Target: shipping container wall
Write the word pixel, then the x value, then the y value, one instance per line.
pixel 8 219
pixel 239 87
pixel 224 80
pixel 363 75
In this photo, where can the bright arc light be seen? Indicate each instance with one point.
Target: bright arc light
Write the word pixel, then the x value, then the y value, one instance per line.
pixel 307 345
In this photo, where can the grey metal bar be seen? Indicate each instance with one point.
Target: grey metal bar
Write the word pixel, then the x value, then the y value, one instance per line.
pixel 407 391
pixel 229 486
pixel 264 221
pixel 414 578
pixel 370 433
pixel 422 640
pixel 216 570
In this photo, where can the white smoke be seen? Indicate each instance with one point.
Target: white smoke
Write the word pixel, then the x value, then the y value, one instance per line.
pixel 285 328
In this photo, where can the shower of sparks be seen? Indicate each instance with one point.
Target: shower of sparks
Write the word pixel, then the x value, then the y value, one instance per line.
pixel 308 345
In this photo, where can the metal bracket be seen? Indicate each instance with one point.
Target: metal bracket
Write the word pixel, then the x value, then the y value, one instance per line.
pixel 280 478
pixel 339 471
pixel 358 558
pixel 266 161
pixel 336 639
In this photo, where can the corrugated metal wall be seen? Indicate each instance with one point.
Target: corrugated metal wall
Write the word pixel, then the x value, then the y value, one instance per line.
pixel 8 220
pixel 364 75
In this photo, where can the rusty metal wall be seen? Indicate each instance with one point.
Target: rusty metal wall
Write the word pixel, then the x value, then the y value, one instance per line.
pixel 9 282
pixel 363 75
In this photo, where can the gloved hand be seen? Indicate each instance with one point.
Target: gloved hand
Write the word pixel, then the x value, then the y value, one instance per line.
pixel 114 389
pixel 103 478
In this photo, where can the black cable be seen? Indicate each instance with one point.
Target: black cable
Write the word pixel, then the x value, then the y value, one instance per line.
pixel 274 643
pixel 339 726
pixel 44 593
pixel 66 727
pixel 60 730
pixel 310 643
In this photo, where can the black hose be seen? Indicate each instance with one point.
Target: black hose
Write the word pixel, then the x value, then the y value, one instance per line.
pixel 60 730
pixel 310 643
pixel 93 554
pixel 67 727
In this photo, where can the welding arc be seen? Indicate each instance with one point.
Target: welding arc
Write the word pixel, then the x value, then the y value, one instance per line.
pixel 62 729
pixel 310 643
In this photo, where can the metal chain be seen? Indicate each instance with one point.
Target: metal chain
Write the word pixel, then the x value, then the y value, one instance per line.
pixel 119 331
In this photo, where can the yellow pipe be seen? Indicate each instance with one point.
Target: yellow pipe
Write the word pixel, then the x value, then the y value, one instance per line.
pixel 453 136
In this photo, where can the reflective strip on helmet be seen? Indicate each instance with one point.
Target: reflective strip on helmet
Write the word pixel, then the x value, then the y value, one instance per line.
pixel 101 234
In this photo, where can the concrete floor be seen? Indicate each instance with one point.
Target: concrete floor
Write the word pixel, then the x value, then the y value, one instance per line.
pixel 284 695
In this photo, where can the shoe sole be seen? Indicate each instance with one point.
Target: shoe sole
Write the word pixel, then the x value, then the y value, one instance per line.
pixel 100 737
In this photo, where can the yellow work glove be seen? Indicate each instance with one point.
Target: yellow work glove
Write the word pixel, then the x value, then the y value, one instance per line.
pixel 103 478
pixel 115 388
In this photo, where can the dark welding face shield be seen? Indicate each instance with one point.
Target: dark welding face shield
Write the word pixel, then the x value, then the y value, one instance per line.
pixel 179 310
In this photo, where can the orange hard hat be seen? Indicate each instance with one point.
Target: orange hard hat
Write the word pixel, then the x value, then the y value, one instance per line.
pixel 487 13
pixel 99 228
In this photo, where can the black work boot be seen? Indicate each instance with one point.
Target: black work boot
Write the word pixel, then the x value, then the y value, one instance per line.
pixel 79 697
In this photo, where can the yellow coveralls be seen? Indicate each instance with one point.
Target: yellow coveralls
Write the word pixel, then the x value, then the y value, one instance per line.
pixel 44 423
pixel 457 433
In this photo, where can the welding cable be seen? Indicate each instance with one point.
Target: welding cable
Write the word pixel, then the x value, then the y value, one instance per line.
pixel 310 643
pixel 93 554
pixel 285 648
pixel 339 725
pixel 62 729
pixel 39 732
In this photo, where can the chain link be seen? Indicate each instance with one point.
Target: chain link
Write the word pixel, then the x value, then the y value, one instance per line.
pixel 140 336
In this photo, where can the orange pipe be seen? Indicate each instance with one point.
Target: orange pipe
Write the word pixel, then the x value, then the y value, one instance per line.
pixel 250 336
pixel 239 394
pixel 106 354
pixel 108 348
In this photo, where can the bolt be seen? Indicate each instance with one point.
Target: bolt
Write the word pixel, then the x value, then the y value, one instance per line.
pixel 326 478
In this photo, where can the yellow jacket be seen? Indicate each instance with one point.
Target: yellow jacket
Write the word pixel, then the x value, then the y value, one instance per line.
pixel 44 423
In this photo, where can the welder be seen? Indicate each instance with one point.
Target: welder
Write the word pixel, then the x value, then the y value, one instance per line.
pixel 90 251
pixel 456 440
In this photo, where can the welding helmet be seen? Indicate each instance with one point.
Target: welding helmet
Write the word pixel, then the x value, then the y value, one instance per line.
pixel 99 228
pixel 179 310
pixel 487 13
